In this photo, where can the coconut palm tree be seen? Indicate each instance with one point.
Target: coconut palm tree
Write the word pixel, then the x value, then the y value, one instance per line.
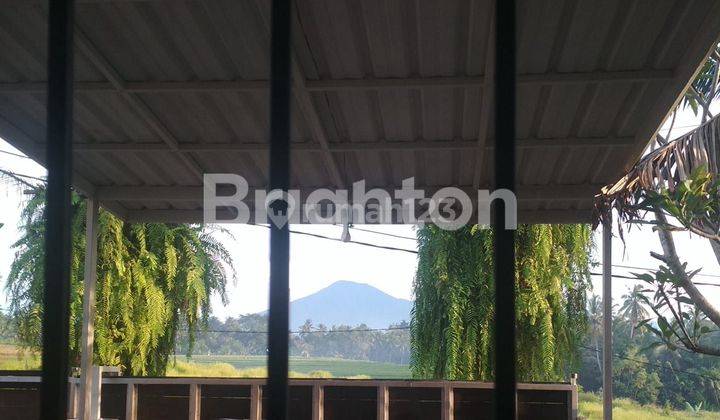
pixel 633 307
pixel 595 324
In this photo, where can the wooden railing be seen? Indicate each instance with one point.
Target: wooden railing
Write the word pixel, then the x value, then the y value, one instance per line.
pixel 134 398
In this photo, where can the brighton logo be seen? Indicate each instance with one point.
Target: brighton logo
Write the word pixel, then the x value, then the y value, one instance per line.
pixel 228 198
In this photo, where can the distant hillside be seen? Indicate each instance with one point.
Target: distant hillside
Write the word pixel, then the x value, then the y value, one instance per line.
pixel 349 303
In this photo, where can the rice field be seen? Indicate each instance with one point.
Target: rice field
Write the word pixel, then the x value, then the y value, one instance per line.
pixel 338 368
pixel 12 358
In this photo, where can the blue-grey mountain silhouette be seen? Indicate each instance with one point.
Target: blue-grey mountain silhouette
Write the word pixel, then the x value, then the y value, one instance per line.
pixel 349 303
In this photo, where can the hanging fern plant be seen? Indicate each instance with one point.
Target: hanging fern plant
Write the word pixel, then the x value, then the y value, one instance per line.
pixel 452 319
pixel 152 279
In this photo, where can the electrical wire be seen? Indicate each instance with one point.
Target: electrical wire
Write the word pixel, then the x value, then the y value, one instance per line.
pixel 613 265
pixel 16 178
pixel 250 332
pixel 687 126
pixel 392 235
pixel 315 235
pixel 11 173
pixel 655 269
pixel 686 372
pixel 14 154
pixel 620 276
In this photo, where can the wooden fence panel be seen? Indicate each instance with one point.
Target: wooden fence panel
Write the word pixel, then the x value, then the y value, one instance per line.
pixel 225 401
pixel 473 404
pixel 415 403
pixel 300 405
pixel 542 404
pixel 19 401
pixel 163 402
pixel 126 398
pixel 112 404
pixel 350 403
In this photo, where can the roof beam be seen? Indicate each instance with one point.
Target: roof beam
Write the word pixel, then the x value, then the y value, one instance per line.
pixel 487 105
pixel 332 85
pixel 689 66
pixel 553 78
pixel 305 104
pixel 22 141
pixel 195 193
pixel 313 120
pixel 355 146
pixel 95 56
pixel 196 216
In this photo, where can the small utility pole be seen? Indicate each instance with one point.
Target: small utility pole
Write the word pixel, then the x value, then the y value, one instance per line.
pixel 607 319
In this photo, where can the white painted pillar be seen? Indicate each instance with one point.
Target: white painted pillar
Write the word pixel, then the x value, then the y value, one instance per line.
pixel 88 329
pixel 255 402
pixel 131 399
pixel 448 402
pixel 318 403
pixel 607 320
pixel 195 400
pixel 383 403
pixel 72 399
pixel 95 393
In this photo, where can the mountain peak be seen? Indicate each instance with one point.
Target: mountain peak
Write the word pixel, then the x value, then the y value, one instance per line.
pixel 339 283
pixel 349 303
pixel 351 285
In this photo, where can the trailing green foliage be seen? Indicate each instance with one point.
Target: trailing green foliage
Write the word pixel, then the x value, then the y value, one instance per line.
pixel 452 320
pixel 151 279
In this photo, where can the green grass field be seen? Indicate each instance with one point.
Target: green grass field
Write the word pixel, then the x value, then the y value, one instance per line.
pixel 625 409
pixel 338 368
pixel 12 358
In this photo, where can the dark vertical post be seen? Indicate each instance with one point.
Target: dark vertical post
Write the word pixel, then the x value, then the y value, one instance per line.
pixel 607 319
pixel 279 232
pixel 504 239
pixel 53 404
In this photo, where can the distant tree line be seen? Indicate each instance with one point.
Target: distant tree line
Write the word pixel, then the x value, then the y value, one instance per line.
pixel 644 368
pixel 245 335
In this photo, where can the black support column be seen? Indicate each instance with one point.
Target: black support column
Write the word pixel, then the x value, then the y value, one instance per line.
pixel 504 239
pixel 54 391
pixel 279 235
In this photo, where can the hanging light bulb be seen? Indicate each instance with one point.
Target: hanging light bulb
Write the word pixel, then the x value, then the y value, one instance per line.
pixel 345 236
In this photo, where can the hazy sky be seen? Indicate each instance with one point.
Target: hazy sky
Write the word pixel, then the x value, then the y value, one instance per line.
pixel 316 263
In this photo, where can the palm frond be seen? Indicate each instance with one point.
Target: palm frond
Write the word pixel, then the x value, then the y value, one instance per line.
pixel 664 168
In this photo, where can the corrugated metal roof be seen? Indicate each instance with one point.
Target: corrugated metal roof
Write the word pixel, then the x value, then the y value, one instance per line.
pixel 384 90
